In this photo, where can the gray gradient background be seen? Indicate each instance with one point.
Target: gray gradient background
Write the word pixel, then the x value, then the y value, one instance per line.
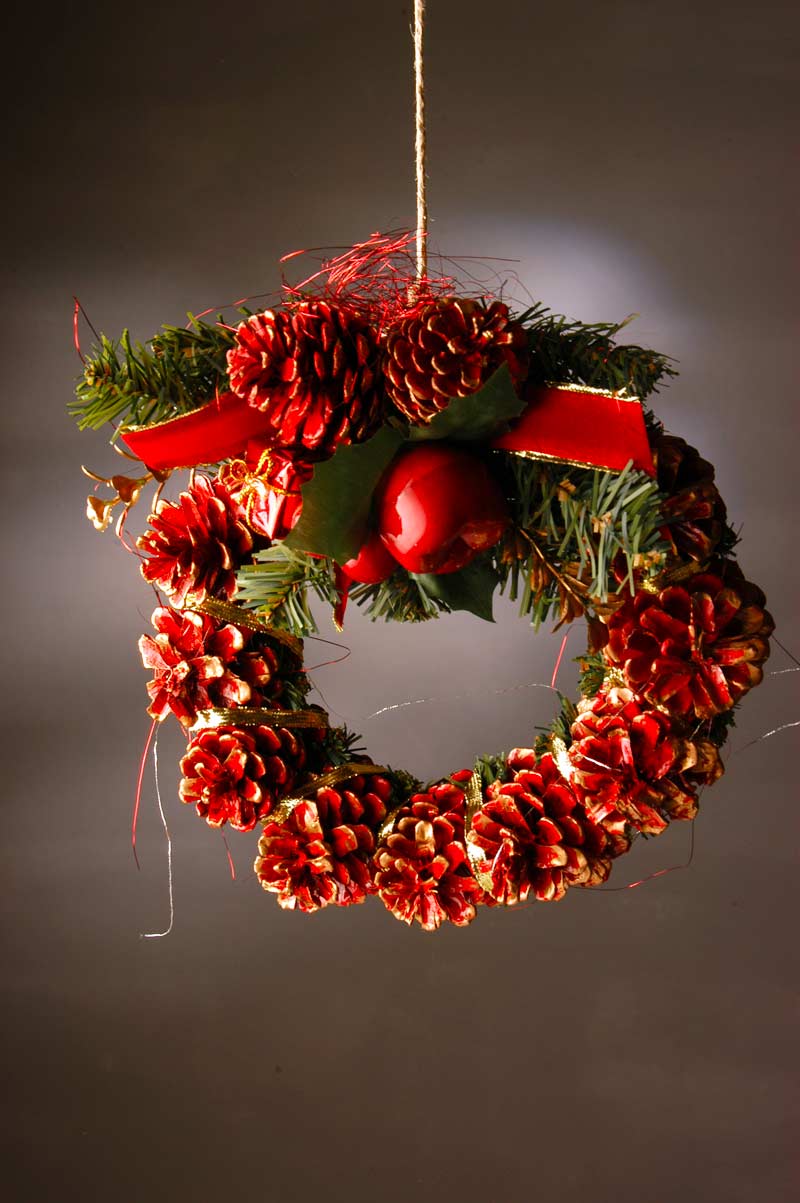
pixel 635 1046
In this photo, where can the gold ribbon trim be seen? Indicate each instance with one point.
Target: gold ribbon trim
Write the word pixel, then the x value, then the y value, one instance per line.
pixel 479 863
pixel 387 826
pixel 239 617
pixel 561 757
pixel 562 459
pixel 254 716
pixel 616 394
pixel 343 772
pixel 248 483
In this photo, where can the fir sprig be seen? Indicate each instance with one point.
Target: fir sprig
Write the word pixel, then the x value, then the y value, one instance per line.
pixel 401 598
pixel 492 768
pixel 571 352
pixel 593 670
pixel 570 525
pixel 337 746
pixel 134 383
pixel 560 728
pixel 278 583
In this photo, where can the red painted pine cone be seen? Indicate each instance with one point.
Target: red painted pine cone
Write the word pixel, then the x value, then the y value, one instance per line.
pixel 422 872
pixel 236 776
pixel 195 544
pixel 533 836
pixel 694 510
pixel 628 759
pixel 264 667
pixel 692 649
pixel 191 657
pixel 313 371
pixel 319 853
pixel 448 348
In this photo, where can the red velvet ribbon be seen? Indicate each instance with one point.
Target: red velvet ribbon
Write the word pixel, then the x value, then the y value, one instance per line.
pixel 219 430
pixel 566 423
pixel 587 427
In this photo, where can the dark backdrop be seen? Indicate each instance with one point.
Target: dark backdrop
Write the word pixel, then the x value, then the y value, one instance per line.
pixel 637 1045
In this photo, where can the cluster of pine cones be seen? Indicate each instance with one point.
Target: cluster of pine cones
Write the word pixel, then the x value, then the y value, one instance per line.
pixel 323 376
pixel 638 754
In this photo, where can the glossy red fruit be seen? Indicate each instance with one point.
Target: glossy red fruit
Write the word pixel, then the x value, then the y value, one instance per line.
pixel 438 507
pixel 373 564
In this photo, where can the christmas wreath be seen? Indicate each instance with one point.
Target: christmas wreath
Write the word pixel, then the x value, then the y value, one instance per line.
pixel 396 444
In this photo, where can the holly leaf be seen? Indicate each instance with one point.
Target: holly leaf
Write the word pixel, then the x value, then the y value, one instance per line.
pixel 337 499
pixel 477 416
pixel 470 588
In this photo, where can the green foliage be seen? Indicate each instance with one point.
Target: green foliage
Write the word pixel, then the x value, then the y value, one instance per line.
pixel 470 589
pixel 719 728
pixel 729 540
pixel 570 352
pixel 338 498
pixel 133 383
pixel 338 745
pixel 416 597
pixel 576 523
pixel 593 672
pixel 478 416
pixel 277 586
pixel 559 728
pixel 401 598
pixel 492 768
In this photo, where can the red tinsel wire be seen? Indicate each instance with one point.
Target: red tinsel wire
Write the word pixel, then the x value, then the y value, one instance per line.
pixel 376 277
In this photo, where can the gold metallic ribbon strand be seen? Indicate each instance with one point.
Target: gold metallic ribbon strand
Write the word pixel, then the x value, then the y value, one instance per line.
pixel 561 757
pixel 618 394
pixel 480 865
pixel 229 612
pixel 343 772
pixel 255 716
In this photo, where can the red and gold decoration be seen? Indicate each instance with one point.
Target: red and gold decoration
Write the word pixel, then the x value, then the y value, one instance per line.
pixel 385 438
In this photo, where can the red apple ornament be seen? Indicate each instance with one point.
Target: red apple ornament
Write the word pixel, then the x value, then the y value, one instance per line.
pixel 438 507
pixel 373 564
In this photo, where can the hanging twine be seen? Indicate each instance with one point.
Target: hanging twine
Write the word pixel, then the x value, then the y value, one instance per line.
pixel 419 142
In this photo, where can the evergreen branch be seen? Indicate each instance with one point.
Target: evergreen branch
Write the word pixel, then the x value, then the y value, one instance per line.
pixel 560 728
pixel 336 745
pixel 277 585
pixel 571 528
pixel 401 598
pixel 593 674
pixel 543 574
pixel 719 728
pixel 178 370
pixel 492 768
pixel 570 352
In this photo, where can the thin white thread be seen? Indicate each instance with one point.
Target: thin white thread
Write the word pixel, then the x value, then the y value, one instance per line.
pixel 470 693
pixel 778 672
pixel 785 649
pixel 419 140
pixel 766 735
pixel 156 935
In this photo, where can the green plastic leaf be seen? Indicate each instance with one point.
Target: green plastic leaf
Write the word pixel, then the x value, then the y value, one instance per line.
pixel 470 588
pixel 337 499
pixel 477 416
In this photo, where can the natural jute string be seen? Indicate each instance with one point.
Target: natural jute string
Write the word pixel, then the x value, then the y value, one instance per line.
pixel 419 143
